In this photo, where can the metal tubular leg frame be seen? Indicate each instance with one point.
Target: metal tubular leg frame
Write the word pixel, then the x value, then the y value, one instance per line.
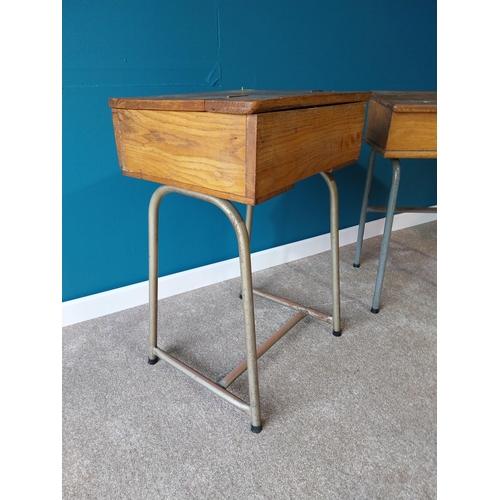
pixel 243 231
pixel 253 409
pixel 390 210
pixel 364 208
pixel 334 234
pixel 391 207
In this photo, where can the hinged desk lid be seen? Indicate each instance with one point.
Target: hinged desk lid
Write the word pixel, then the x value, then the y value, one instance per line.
pixel 240 101
pixel 407 102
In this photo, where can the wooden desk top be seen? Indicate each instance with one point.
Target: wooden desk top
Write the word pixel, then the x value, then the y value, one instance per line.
pixel 245 146
pixel 407 102
pixel 239 101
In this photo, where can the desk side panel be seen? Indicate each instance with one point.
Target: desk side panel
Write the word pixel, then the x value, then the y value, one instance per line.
pixel 199 151
pixel 378 123
pixel 413 132
pixel 293 145
pixel 396 153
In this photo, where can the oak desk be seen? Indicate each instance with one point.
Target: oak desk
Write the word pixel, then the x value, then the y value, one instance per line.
pixel 238 146
pixel 399 125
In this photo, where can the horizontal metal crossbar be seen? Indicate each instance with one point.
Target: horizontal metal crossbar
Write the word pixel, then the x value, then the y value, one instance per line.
pixel 422 210
pixel 234 374
pixel 294 305
pixel 204 381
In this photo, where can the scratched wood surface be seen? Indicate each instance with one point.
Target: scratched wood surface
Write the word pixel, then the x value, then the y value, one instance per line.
pixel 407 102
pixel 239 101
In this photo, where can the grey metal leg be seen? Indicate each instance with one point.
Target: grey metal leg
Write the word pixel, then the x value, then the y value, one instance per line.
pixel 391 206
pixel 249 220
pixel 154 205
pixel 364 208
pixel 253 408
pixel 334 234
pixel 248 224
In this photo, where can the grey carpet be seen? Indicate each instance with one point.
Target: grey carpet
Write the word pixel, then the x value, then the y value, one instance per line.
pixel 344 418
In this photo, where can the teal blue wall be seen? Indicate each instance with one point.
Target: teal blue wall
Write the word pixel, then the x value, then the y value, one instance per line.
pixel 115 48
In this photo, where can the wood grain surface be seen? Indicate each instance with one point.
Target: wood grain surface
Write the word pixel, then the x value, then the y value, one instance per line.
pixel 403 125
pixel 232 151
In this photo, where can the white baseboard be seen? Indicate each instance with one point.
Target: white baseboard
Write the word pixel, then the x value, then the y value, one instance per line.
pixel 119 299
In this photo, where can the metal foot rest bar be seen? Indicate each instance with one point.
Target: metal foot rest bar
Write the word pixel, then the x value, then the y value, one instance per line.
pixel 223 384
pixel 234 374
pixel 418 210
pixel 303 312
pixel 204 381
pixel 220 387
pixel 294 305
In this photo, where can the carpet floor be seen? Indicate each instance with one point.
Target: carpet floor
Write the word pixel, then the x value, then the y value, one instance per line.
pixel 352 417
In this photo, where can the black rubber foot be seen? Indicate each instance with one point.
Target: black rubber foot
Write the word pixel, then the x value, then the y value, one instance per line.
pixel 374 311
pixel 256 429
pixel 153 361
pixel 356 265
pixel 241 296
pixel 336 334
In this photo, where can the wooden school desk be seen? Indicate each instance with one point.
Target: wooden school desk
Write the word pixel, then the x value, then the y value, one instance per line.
pixel 238 146
pixel 399 125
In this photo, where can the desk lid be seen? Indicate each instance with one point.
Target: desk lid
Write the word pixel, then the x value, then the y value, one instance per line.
pixel 239 101
pixel 407 102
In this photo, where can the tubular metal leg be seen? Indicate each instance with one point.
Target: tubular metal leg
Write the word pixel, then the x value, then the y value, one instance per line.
pixel 364 208
pixel 248 307
pixel 249 220
pixel 248 224
pixel 154 205
pixel 334 234
pixel 391 206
